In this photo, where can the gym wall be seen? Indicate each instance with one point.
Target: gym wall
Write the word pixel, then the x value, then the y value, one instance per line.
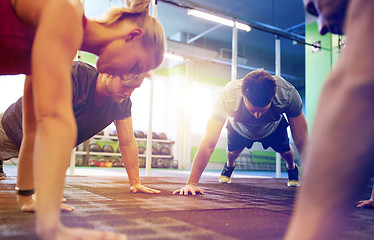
pixel 318 65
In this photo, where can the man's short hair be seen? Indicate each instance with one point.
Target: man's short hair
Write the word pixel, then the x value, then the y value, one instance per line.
pixel 259 87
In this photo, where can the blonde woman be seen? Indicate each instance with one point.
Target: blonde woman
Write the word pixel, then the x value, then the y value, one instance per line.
pixel 40 39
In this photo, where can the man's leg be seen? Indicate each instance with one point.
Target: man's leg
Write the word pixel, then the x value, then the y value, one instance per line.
pixel 292 169
pixel 232 156
pixel 8 149
pixel 229 167
pixel 339 157
pixel 279 142
pixel 289 157
pixel 2 173
pixel 235 145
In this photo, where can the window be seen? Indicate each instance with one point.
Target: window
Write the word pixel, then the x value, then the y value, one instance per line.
pixel 203 99
pixel 11 88
pixel 141 102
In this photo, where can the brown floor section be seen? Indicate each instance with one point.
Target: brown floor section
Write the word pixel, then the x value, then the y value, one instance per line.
pixel 245 209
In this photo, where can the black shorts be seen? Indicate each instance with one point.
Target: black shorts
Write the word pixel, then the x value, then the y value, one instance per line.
pixel 278 140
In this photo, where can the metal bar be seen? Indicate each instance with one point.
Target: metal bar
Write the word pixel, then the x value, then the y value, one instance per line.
pixel 203 33
pixel 72 161
pixel 290 29
pixel 277 57
pixel 277 166
pixel 186 121
pixel 277 72
pixel 154 8
pixel 148 159
pixel 234 58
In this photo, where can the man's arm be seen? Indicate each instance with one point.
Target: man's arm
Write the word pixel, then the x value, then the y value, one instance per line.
pixel 129 154
pixel 202 156
pixel 299 131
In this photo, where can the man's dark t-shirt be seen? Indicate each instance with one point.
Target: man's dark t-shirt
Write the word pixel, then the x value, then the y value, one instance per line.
pixel 90 118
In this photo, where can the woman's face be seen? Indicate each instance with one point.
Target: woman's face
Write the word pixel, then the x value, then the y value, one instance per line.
pixel 123 57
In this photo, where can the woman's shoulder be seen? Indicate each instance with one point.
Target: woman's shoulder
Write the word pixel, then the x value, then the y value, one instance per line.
pixel 30 11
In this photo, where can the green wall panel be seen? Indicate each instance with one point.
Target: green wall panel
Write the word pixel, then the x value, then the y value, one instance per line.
pixel 317 67
pixel 87 57
pixel 263 156
pixel 218 155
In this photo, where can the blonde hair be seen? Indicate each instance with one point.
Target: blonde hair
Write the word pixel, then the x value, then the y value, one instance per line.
pixel 137 11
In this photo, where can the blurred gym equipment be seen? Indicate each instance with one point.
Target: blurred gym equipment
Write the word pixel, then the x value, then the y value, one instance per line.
pixel 139 134
pixel 164 150
pixel 108 148
pixel 162 136
pixel 94 147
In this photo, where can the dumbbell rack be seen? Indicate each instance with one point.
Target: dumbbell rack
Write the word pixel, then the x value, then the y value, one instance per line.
pixel 115 138
pixel 156 141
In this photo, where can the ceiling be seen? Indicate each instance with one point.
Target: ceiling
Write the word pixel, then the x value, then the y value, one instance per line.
pixel 256 49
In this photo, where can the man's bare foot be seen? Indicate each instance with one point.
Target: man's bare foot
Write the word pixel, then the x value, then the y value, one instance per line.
pixel 63 233
pixel 28 204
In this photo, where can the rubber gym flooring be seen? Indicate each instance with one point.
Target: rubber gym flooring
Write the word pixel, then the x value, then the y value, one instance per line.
pixel 248 208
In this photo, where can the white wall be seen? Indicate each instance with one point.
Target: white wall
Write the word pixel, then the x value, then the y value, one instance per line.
pixel 11 88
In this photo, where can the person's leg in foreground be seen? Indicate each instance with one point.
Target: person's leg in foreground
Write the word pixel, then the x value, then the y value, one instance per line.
pixel 339 157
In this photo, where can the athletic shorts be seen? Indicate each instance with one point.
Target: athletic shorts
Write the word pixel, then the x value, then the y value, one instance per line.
pixel 7 148
pixel 278 140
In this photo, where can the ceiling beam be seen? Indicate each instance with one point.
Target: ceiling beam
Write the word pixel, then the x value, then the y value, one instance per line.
pixel 254 24
pixel 203 33
pixel 297 28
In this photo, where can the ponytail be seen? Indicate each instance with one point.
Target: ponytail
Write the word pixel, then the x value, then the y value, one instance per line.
pixel 132 9
pixel 138 6
pixel 137 11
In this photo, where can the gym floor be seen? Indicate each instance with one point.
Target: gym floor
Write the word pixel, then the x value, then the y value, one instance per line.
pixel 254 206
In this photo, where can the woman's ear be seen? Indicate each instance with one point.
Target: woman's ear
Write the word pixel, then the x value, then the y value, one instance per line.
pixel 134 34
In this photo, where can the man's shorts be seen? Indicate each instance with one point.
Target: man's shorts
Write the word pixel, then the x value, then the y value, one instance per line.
pixel 278 140
pixel 7 148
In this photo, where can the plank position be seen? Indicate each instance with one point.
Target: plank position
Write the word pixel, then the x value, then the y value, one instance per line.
pixel 40 39
pixel 98 100
pixel 254 108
